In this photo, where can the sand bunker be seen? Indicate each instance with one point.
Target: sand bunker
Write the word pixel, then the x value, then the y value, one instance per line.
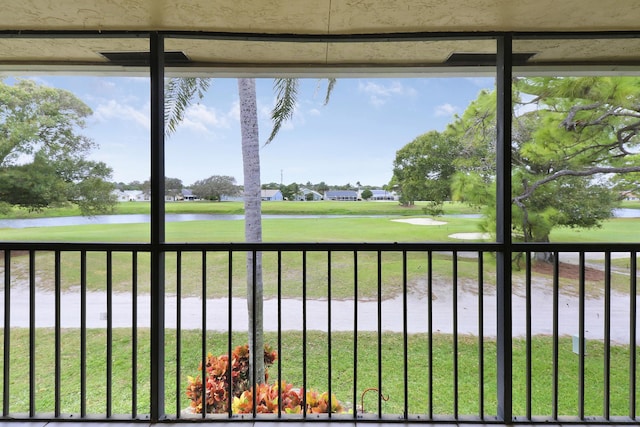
pixel 470 236
pixel 420 221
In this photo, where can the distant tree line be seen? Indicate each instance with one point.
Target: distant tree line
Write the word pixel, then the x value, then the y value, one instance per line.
pixel 217 186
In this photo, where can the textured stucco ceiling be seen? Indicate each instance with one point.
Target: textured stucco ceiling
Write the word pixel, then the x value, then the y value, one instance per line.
pixel 317 18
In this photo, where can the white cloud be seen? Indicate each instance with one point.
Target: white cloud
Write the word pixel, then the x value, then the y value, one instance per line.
pixel 204 119
pixel 482 82
pixel 379 94
pixel 112 109
pixel 446 110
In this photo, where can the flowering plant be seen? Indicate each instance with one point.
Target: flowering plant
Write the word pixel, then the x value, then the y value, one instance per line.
pixel 217 381
pixel 267 395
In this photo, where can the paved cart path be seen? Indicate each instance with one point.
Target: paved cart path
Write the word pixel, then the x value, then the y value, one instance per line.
pixel 342 313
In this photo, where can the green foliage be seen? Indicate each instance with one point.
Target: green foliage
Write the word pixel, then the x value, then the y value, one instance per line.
pixel 290 192
pixel 33 186
pixel 366 194
pixel 179 94
pixel 42 156
pixel 433 208
pixel 572 139
pixel 214 187
pixel 422 169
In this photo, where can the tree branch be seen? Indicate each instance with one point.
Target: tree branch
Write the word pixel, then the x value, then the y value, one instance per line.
pixel 588 172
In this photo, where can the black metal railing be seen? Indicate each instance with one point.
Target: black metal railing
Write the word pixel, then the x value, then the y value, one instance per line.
pixel 394 332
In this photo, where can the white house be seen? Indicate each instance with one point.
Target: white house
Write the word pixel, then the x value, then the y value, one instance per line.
pixel 271 195
pixel 131 196
pixel 304 192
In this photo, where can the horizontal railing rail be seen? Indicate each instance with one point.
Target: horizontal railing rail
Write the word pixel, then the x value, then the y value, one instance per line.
pixel 397 332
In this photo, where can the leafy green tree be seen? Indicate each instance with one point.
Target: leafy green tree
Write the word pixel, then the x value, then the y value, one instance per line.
pixel 321 187
pixel 271 186
pixel 214 187
pixel 172 186
pixel 366 194
pixel 570 137
pixel 43 157
pixel 422 169
pixel 289 192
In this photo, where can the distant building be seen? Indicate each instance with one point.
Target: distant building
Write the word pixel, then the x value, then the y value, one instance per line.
pixel 629 195
pixel 131 196
pixel 304 195
pixel 381 195
pixel 341 195
pixel 187 195
pixel 227 198
pixel 271 195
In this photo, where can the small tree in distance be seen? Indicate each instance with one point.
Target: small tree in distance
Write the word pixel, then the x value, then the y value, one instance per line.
pixel 214 187
pixel 366 194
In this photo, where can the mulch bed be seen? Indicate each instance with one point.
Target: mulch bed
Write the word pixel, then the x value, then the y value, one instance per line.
pixel 568 271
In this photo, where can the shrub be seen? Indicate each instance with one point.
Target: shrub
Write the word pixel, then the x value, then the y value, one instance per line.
pixel 217 381
pixel 292 401
pixel 267 397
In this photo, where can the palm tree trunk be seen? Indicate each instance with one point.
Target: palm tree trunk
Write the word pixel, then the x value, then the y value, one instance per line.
pixel 253 221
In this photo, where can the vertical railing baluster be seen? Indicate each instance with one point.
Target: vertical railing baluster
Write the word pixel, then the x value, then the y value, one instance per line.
pixel 279 283
pixel 405 338
pixel 178 333
pixel 581 343
pixel 481 335
pixel 109 332
pixel 329 365
pixel 633 318
pixel 380 391
pixel 134 334
pixel 355 334
pixel 256 351
pixel 230 334
pixel 456 390
pixel 606 404
pixel 6 366
pixel 32 333
pixel 57 333
pixel 556 290
pixel 304 334
pixel 430 330
pixel 528 350
pixel 83 334
pixel 203 341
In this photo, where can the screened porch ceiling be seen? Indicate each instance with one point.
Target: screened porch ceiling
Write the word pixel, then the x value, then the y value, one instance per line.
pixel 324 33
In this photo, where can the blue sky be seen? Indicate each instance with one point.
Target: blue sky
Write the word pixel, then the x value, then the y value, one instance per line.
pixel 353 138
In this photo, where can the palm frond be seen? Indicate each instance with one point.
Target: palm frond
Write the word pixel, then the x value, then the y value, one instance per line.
pixel 286 95
pixel 331 82
pixel 179 94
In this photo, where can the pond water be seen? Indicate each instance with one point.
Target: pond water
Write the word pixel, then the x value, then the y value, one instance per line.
pixel 143 218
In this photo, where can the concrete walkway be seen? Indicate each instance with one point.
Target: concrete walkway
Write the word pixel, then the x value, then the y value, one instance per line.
pixel 342 313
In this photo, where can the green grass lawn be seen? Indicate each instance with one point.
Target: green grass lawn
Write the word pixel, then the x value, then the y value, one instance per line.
pixel 346 229
pixel 342 380
pixel 272 208
pixel 304 230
